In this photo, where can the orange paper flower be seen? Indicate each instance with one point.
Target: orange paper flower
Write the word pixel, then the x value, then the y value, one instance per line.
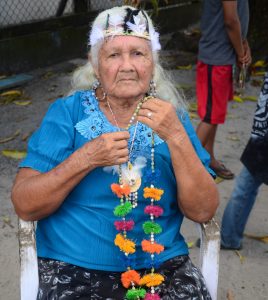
pixel 147 246
pixel 153 193
pixel 120 190
pixel 150 280
pixel 130 276
pixel 124 244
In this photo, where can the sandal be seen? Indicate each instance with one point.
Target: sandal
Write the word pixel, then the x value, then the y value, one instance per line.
pixel 221 171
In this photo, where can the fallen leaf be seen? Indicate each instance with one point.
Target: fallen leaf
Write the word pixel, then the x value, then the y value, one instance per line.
pixel 193 107
pixel 259 63
pixel 10 138
pixel 256 82
pixel 188 67
pixel 230 295
pixel 241 257
pixel 233 138
pixel 193 115
pixel 9 96
pixel 258 73
pixel 218 180
pixel 16 154
pixel 3 77
pixel 48 75
pixel 263 238
pixel 22 102
pixel 26 136
pixel 190 245
pixel 7 221
pixel 238 99
pixel 250 98
pixel 14 93
pixel 234 105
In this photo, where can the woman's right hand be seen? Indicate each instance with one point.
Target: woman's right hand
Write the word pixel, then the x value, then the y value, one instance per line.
pixel 106 150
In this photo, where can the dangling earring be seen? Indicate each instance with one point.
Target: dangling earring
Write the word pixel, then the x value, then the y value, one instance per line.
pixel 96 84
pixel 152 88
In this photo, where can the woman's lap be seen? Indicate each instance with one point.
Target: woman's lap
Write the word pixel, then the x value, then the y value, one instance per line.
pixel 62 281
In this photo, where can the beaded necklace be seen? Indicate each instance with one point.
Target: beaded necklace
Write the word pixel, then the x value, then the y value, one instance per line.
pixel 127 192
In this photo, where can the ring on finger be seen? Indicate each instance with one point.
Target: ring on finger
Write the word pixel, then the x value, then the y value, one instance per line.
pixel 149 115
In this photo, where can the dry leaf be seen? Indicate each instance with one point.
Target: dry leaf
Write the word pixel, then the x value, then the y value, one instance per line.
pixel 9 96
pixel 250 98
pixel 26 136
pixel 13 93
pixel 7 221
pixel 193 107
pixel 233 138
pixel 219 180
pixel 258 73
pixel 263 238
pixel 188 67
pixel 16 154
pixel 259 63
pixel 238 99
pixel 193 115
pixel 190 245
pixel 22 102
pixel 10 138
pixel 230 295
pixel 48 75
pixel 241 257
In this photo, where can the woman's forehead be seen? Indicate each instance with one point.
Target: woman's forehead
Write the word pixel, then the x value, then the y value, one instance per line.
pixel 125 42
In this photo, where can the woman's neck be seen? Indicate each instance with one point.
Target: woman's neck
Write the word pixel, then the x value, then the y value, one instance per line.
pixel 118 110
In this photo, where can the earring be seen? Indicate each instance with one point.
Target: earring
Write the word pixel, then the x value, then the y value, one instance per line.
pixel 96 84
pixel 152 88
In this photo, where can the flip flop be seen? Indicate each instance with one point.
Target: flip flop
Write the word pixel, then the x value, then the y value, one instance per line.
pixel 221 171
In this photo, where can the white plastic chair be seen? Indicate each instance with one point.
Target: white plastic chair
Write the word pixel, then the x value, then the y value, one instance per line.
pixel 209 258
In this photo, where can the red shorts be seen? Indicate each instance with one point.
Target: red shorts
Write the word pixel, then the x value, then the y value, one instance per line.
pixel 214 87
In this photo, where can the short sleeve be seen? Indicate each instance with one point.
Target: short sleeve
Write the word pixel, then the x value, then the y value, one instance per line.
pixel 199 149
pixel 53 142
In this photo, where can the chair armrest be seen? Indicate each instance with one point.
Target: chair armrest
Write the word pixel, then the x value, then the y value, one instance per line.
pixel 210 255
pixel 28 261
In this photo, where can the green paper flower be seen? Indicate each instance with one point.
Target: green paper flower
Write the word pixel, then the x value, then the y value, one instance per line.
pixel 135 294
pixel 123 210
pixel 151 227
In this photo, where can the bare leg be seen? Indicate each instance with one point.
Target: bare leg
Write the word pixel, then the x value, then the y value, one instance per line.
pixel 206 133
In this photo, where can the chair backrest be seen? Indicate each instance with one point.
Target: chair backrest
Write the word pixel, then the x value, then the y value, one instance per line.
pixel 209 258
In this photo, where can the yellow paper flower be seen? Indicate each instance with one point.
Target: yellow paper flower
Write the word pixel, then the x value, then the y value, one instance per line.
pixel 124 244
pixel 152 280
pixel 153 193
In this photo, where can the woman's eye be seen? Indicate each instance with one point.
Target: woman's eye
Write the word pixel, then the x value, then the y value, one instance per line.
pixel 113 55
pixel 138 53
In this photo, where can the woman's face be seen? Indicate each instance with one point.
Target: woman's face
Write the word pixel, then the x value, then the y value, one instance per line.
pixel 125 67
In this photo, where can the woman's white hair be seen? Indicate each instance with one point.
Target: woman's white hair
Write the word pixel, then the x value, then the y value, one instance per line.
pixel 84 76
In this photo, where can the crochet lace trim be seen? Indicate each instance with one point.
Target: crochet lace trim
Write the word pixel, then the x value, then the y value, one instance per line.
pixel 97 124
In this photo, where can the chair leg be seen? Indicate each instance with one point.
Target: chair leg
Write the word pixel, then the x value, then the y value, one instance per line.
pixel 210 255
pixel 28 261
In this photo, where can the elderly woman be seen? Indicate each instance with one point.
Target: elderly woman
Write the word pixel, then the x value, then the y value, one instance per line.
pixel 111 172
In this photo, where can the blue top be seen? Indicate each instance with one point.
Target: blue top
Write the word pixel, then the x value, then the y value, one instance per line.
pixel 81 231
pixel 215 47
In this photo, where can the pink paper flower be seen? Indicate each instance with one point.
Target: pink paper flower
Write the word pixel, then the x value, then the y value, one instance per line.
pixel 124 225
pixel 155 210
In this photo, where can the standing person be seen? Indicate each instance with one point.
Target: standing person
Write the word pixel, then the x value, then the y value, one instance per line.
pixel 112 171
pixel 223 43
pixel 253 174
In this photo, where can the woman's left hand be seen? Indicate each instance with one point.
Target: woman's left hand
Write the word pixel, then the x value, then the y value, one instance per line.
pixel 161 116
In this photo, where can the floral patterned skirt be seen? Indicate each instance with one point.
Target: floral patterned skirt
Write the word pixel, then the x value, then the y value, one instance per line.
pixel 61 281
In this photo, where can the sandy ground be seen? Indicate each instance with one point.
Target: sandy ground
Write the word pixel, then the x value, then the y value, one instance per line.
pixel 241 280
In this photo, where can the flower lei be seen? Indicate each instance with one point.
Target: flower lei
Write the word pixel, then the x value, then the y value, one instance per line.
pixel 131 279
